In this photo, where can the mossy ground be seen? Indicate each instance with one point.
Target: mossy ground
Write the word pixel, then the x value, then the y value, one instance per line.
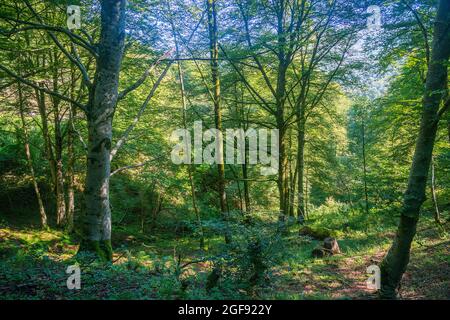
pixel 146 266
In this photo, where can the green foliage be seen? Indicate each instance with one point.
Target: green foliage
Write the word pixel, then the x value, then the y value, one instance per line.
pixel 357 144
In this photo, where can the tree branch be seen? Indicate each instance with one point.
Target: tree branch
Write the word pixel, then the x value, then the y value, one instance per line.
pixel 141 80
pixel 133 166
pixel 139 114
pixel 422 28
pixel 45 90
pixel 79 65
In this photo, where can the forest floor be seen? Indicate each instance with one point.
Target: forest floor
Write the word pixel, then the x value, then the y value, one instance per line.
pixel 33 266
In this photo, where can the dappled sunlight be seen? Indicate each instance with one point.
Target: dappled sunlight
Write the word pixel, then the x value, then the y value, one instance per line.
pixel 284 149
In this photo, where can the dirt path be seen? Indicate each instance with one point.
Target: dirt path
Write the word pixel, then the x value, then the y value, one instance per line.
pixel 343 277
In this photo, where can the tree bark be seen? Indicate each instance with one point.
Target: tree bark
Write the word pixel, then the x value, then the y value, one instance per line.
pixel 280 119
pixel 363 128
pixel 58 148
pixel 70 173
pixel 42 106
pixel 301 123
pixel 71 166
pixel 214 55
pixel 437 215
pixel 42 213
pixel 102 103
pixel 395 263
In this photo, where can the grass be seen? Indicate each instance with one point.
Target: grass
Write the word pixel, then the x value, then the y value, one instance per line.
pixel 33 263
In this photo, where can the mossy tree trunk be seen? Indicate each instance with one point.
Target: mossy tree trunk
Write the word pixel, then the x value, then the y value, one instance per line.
pixel 102 103
pixel 396 261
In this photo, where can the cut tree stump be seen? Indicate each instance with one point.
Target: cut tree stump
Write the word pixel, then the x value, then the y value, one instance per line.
pixel 331 244
pixel 330 247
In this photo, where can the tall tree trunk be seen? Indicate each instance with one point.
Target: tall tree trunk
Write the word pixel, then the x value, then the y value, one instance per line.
pixel 29 159
pixel 59 175
pixel 396 261
pixel 103 100
pixel 280 119
pixel 71 157
pixel 71 171
pixel 190 167
pixel 214 55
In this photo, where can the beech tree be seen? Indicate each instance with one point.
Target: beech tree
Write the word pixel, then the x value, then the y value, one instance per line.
pixel 102 98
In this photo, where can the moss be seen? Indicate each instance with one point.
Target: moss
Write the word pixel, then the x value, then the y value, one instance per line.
pixel 319 233
pixel 102 249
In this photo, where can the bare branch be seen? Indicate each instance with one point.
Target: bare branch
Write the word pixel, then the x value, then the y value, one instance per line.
pixel 122 140
pixel 141 80
pixel 133 166
pixel 38 26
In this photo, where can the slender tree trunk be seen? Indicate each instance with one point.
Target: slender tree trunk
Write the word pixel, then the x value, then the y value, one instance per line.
pixel 363 128
pixel 396 260
pixel 306 192
pixel 59 175
pixel 70 171
pixel 280 99
pixel 190 167
pixel 71 158
pixel 243 124
pixel 214 55
pixel 30 160
pixel 40 98
pixel 290 175
pixel 437 216
pixel 294 189
pixel 282 170
pixel 246 187
pixel 103 100
pixel 283 160
pixel 301 165
pixel 238 184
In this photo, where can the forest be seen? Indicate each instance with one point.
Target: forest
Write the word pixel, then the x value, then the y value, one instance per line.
pixel 224 149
